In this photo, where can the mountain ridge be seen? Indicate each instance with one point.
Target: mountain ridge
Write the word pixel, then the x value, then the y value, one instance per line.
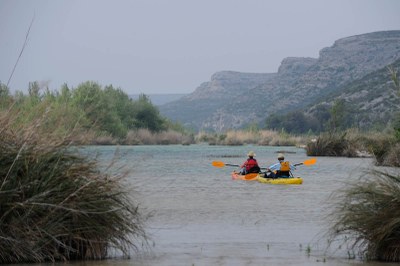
pixel 235 99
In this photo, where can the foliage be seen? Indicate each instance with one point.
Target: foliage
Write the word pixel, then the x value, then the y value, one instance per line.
pixel 4 96
pixel 338 117
pixel 396 82
pixel 366 103
pixel 147 115
pixel 259 137
pixel 55 203
pixel 108 111
pixel 367 215
pixel 293 122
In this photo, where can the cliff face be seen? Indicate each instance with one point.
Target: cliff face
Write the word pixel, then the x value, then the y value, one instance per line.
pixel 233 99
pixel 373 100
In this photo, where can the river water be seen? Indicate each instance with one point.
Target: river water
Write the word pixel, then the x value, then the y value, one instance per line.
pixel 200 216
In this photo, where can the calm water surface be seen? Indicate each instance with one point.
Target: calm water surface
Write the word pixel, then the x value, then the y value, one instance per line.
pixel 202 217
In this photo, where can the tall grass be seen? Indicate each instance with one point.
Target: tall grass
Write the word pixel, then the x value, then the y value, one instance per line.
pixel 146 137
pixel 258 137
pixel 332 144
pixel 353 143
pixel 367 216
pixel 55 204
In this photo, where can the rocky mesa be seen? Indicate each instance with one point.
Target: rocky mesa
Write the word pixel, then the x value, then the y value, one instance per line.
pixel 234 99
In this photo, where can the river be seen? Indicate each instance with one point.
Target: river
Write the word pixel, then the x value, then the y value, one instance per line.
pixel 200 216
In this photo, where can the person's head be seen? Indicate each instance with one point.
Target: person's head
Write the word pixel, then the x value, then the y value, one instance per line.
pixel 251 154
pixel 281 157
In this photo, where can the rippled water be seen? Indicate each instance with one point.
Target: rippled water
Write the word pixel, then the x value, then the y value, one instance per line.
pixel 202 217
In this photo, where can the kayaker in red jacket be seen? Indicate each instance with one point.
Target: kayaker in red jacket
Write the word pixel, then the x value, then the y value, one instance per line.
pixel 250 165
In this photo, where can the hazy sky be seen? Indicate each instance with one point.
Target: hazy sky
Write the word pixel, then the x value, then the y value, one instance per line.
pixel 172 46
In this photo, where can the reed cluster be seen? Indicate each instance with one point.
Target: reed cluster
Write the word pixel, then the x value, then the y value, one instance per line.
pixel 55 203
pixel 332 144
pixel 383 146
pixel 366 216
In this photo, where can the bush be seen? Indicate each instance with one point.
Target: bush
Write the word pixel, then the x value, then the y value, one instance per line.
pixel 332 144
pixel 56 204
pixel 393 156
pixel 367 215
pixel 381 146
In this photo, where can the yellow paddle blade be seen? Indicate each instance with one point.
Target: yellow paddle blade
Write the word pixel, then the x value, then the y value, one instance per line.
pixel 310 161
pixel 218 164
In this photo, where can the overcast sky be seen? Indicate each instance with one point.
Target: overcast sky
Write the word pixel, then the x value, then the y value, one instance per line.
pixel 172 46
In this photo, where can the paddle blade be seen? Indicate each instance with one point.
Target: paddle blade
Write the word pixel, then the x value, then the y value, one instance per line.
pixel 251 176
pixel 218 164
pixel 310 161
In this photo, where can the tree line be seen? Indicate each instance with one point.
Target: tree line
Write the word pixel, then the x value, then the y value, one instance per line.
pixel 106 110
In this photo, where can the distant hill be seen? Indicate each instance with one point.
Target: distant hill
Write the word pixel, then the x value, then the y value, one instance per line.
pixel 160 99
pixel 234 100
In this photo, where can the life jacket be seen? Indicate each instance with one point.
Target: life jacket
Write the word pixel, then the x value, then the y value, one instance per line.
pixel 251 164
pixel 285 167
pixel 284 170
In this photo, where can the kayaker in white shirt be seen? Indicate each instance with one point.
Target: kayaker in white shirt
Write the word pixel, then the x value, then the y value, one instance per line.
pixel 280 169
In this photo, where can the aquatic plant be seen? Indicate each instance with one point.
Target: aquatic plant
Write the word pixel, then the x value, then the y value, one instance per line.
pixel 367 216
pixel 55 203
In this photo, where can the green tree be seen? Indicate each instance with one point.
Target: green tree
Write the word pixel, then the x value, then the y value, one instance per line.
pixel 147 115
pixel 122 105
pixel 293 122
pixel 322 114
pixel 98 108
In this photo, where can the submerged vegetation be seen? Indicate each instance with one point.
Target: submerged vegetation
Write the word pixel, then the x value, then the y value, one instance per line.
pixel 366 216
pixel 55 203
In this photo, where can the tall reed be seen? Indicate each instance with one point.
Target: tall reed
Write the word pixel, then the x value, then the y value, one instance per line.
pixel 55 203
pixel 367 216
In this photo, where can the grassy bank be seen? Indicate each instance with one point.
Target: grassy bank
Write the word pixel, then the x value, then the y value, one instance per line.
pixel 257 137
pixel 55 203
pixel 383 146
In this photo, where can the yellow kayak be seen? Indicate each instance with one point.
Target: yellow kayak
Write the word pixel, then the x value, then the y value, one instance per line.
pixel 275 181
pixel 281 181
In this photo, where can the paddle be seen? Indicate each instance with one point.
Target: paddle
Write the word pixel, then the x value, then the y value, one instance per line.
pixel 307 162
pixel 220 164
pixel 252 176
